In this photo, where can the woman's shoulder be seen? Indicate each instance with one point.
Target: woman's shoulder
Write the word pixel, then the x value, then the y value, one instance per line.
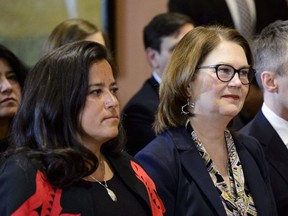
pixel 19 166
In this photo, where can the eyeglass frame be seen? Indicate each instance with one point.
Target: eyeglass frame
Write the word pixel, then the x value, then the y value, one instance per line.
pixel 234 69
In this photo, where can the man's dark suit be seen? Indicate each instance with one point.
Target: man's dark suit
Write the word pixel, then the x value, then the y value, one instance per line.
pixel 277 156
pixel 184 184
pixel 139 115
pixel 217 12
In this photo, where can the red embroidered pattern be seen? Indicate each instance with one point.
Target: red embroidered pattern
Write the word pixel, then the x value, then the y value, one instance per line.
pixel 45 197
pixel 156 203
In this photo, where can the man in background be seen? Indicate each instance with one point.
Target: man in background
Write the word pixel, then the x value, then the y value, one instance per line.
pixel 270 125
pixel 161 35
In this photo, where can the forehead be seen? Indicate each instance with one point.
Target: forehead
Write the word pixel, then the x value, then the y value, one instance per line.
pixel 101 71
pixel 227 52
pixel 173 39
pixel 4 65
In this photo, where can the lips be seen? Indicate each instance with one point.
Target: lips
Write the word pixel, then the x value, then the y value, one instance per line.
pixel 111 117
pixel 234 97
pixel 7 100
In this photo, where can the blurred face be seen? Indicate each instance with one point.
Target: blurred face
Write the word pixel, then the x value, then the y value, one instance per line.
pixel 10 91
pixel 97 37
pixel 100 116
pixel 160 59
pixel 212 96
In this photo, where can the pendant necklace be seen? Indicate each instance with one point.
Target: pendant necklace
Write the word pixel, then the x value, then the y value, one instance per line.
pixel 105 185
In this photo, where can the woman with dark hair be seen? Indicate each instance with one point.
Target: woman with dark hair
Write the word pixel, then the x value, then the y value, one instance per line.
pixel 12 75
pixel 210 169
pixel 68 157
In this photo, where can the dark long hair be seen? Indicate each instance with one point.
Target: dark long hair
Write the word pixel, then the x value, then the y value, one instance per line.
pixel 46 125
pixel 18 67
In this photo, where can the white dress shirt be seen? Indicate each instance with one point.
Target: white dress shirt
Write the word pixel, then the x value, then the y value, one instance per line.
pixel 156 77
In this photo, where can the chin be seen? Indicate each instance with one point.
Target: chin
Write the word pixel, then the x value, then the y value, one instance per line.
pixel 114 133
pixel 230 112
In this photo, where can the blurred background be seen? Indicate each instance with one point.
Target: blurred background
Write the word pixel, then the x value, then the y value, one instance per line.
pixel 25 26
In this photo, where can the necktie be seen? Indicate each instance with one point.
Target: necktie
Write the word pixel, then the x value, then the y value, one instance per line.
pixel 246 22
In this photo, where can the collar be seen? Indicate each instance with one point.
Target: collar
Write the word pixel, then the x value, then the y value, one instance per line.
pixel 156 77
pixel 279 124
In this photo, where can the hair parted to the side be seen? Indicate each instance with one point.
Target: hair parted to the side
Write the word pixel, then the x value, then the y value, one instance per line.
pixel 270 50
pixel 189 53
pixel 47 123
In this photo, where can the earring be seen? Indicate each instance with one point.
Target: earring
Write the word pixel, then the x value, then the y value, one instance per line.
pixel 184 108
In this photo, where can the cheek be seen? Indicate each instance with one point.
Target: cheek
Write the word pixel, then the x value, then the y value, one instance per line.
pixel 17 91
pixel 245 91
pixel 89 114
pixel 165 58
pixel 209 87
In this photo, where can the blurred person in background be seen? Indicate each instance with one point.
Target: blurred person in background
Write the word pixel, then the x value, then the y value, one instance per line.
pixel 160 36
pixel 72 30
pixel 270 125
pixel 12 76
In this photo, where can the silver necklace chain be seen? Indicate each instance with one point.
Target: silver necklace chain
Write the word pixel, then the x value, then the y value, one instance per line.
pixel 105 185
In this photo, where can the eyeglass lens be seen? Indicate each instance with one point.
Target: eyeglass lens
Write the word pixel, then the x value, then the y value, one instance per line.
pixel 226 73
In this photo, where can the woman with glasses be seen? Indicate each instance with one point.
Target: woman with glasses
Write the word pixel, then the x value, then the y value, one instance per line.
pixel 200 167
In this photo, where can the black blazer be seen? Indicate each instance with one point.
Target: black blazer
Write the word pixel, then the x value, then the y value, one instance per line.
pixel 277 157
pixel 205 12
pixel 184 184
pixel 139 114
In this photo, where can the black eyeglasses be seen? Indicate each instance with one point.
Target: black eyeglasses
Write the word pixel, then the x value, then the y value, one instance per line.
pixel 225 73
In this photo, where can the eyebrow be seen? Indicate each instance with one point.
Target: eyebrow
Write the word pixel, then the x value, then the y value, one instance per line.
pixel 10 71
pixel 101 84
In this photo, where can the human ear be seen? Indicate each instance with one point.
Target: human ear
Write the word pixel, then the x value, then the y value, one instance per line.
pixel 269 81
pixel 189 90
pixel 152 57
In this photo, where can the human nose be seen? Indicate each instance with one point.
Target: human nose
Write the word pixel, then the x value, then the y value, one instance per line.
pixel 235 81
pixel 5 85
pixel 111 101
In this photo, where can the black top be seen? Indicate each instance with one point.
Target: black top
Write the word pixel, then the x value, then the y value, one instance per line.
pixel 126 203
pixel 3 144
pixel 24 191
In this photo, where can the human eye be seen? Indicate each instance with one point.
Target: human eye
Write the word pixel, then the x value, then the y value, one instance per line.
pixel 12 76
pixel 244 72
pixel 114 90
pixel 95 92
pixel 225 69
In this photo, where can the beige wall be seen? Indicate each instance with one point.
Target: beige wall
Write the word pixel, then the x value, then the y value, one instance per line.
pixel 132 16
